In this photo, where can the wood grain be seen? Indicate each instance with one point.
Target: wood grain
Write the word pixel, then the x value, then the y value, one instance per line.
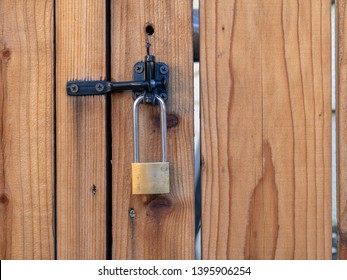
pixel 163 226
pixel 26 129
pixel 80 131
pixel 342 127
pixel 266 129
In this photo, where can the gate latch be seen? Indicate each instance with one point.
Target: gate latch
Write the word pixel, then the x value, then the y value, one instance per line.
pixel 150 79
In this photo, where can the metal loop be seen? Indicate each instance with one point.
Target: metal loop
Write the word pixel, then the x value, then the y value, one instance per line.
pixel 137 103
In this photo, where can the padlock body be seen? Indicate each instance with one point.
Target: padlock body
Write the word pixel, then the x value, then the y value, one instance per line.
pixel 150 178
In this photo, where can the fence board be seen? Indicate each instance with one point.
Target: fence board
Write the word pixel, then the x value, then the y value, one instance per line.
pixel 26 112
pixel 342 128
pixel 163 226
pixel 80 136
pixel 266 129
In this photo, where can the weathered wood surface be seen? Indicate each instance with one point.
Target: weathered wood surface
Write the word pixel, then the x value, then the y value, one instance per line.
pixel 80 131
pixel 342 127
pixel 26 129
pixel 163 226
pixel 266 129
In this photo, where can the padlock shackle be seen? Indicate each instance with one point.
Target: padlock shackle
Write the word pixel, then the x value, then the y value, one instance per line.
pixel 162 127
pixel 137 103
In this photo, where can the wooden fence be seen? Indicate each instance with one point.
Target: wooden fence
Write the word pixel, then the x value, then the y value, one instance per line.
pixel 266 149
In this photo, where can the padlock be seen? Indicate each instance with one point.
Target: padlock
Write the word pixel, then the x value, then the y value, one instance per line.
pixel 150 177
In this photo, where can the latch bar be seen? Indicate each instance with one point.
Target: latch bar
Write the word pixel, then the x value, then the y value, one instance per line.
pixel 83 88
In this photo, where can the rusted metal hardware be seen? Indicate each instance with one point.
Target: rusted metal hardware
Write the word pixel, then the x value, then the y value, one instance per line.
pixel 150 80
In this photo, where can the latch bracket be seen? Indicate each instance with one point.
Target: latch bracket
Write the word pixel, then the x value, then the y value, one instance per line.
pixel 150 78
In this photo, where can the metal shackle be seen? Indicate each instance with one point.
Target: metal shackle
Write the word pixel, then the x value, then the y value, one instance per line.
pixel 137 103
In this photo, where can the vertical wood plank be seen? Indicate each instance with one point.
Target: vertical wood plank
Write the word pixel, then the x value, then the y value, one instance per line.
pixel 26 129
pixel 163 226
pixel 342 127
pixel 80 125
pixel 266 129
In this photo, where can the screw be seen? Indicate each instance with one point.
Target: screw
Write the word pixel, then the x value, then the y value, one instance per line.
pixel 94 190
pixel 164 69
pixel 99 87
pixel 132 213
pixel 74 88
pixel 163 95
pixel 138 68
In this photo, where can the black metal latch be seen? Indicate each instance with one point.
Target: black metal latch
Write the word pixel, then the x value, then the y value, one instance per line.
pixel 150 79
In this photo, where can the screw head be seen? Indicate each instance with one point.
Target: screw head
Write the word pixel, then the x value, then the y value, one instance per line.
pixel 163 95
pixel 164 69
pixel 138 68
pixel 99 87
pixel 74 88
pixel 132 213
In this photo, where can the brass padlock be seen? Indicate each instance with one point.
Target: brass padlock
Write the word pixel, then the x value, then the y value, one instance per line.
pixel 150 177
